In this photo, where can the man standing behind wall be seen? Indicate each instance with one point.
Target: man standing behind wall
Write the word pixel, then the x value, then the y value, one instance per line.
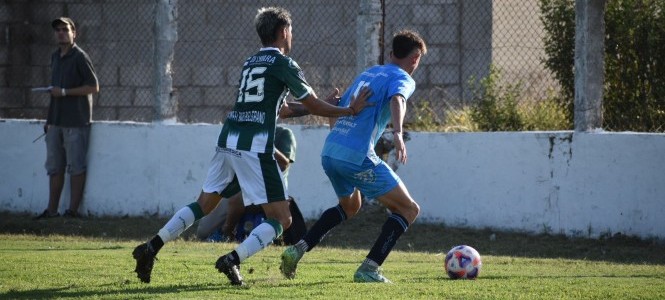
pixel 67 128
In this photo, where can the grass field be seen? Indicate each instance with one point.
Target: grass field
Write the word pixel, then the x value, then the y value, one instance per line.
pixel 91 258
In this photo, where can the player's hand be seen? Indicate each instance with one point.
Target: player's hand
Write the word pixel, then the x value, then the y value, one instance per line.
pixel 360 102
pixel 333 98
pixel 400 147
pixel 56 91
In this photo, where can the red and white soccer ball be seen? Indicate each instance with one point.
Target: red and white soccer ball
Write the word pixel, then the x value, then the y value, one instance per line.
pixel 463 262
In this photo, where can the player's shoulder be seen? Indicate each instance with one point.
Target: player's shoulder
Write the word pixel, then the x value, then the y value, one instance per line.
pixel 281 130
pixel 288 62
pixel 398 74
pixel 396 70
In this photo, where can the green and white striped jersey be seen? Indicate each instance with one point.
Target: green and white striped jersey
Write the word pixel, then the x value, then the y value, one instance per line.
pixel 267 78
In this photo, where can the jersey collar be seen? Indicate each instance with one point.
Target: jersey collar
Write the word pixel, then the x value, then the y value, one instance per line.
pixel 269 49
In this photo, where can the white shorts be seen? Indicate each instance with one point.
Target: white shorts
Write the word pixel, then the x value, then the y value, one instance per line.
pixel 259 176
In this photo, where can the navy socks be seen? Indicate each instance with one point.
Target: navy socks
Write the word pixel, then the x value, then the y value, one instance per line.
pixel 329 219
pixel 391 231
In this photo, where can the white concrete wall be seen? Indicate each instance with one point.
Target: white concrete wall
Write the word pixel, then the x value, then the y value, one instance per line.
pixel 578 184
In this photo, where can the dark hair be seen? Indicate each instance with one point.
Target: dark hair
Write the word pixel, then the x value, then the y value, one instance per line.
pixel 268 21
pixel 405 41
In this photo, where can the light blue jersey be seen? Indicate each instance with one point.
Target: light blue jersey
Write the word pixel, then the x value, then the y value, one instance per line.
pixel 353 138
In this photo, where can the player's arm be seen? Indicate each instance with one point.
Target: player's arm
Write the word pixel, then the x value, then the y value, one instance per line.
pixel 90 82
pixel 294 109
pixel 78 91
pixel 282 161
pixel 397 112
pixel 322 108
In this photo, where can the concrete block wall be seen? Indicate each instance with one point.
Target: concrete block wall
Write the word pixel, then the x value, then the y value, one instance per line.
pixel 216 36
pixel 459 37
pixel 516 30
pixel 116 35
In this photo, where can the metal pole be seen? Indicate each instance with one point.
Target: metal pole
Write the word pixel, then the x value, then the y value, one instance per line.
pixel 589 64
pixel 165 38
pixel 368 34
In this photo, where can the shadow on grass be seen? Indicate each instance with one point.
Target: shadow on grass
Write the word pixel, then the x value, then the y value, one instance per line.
pixel 361 232
pixel 119 290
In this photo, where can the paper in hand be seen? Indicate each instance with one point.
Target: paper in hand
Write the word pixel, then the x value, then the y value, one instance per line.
pixel 46 89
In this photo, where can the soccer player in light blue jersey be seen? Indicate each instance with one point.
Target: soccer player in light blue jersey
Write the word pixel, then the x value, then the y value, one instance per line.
pixel 353 167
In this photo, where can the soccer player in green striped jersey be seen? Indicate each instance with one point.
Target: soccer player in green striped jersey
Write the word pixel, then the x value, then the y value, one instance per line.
pixel 245 147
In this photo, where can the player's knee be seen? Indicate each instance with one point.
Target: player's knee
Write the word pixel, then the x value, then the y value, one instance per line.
pixel 208 201
pixel 206 206
pixel 416 210
pixel 351 208
pixel 411 211
pixel 286 222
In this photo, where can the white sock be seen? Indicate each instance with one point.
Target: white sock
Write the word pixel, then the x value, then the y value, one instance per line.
pixel 177 224
pixel 259 238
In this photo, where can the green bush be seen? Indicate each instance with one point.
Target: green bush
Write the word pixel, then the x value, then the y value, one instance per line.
pixel 495 108
pixel 547 114
pixel 634 65
pixel 558 19
pixel 460 120
pixel 634 95
pixel 425 118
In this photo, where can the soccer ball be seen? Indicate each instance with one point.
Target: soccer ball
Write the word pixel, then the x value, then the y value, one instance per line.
pixel 463 262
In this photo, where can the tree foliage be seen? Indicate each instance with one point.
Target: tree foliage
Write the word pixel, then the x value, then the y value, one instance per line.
pixel 634 95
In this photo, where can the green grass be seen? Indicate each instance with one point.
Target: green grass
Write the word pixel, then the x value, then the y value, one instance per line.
pixel 91 258
pixel 73 267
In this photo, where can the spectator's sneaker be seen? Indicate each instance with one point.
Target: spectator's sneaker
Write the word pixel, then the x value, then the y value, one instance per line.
pixel 369 274
pixel 290 258
pixel 46 215
pixel 231 270
pixel 70 214
pixel 145 259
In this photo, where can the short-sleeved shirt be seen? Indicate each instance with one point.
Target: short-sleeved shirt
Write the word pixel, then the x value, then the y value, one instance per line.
pixel 352 138
pixel 285 142
pixel 267 78
pixel 71 71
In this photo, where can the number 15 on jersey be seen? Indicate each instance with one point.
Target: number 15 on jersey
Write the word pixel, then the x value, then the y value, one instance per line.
pixel 252 78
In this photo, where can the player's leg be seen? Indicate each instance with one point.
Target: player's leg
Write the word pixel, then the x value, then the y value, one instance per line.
pixel 236 209
pixel 212 221
pixel 404 211
pixel 349 204
pixel 219 177
pixel 76 148
pixel 77 184
pixel 263 184
pixel 55 168
pixel 347 208
pixel 145 253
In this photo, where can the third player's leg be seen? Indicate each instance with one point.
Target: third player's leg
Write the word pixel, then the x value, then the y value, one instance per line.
pixel 208 201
